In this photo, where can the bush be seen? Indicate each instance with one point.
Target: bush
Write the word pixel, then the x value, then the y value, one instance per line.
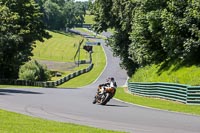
pixel 34 71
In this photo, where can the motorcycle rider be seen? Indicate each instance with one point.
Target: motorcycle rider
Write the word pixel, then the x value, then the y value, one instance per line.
pixel 102 87
pixel 110 86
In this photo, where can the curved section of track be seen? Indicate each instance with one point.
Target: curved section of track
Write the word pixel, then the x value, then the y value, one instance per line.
pixel 75 105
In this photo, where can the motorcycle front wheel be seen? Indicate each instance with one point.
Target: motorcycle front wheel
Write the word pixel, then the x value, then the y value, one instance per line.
pixel 105 99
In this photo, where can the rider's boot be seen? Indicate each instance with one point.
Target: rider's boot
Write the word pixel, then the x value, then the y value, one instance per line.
pixel 94 101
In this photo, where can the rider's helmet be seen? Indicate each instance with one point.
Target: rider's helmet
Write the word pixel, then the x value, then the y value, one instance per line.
pixel 112 79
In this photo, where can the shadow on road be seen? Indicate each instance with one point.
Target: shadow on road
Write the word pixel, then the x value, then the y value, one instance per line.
pixel 8 91
pixel 113 105
pixel 2 93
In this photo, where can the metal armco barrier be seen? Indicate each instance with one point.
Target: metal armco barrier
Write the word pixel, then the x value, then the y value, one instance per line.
pixel 176 92
pixel 66 78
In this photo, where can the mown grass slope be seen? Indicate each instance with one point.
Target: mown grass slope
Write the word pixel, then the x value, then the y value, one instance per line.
pixel 60 47
pixel 173 72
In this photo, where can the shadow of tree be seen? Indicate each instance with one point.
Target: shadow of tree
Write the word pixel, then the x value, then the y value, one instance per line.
pixel 178 64
pixel 167 65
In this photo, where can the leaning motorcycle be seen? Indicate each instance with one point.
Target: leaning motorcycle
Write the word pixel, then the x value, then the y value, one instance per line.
pixel 103 95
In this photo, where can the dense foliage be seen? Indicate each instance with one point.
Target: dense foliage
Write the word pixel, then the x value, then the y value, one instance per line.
pixel 34 71
pixel 59 14
pixel 151 31
pixel 20 26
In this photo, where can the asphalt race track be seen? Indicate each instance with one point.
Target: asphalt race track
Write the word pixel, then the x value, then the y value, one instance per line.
pixel 75 106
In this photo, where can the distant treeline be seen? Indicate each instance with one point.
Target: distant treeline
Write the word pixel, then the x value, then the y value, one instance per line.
pixel 59 14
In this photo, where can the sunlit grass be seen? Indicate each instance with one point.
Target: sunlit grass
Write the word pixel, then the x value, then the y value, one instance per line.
pixel 84 30
pixel 60 47
pixel 17 123
pixel 174 73
pixel 89 19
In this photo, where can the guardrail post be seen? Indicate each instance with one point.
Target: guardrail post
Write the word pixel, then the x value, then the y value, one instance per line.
pixel 187 95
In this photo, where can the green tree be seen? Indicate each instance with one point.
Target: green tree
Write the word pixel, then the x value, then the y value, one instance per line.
pixel 59 2
pixel 20 26
pixel 34 71
pixel 53 15
pixel 61 14
pixel 116 14
pixel 181 25
pixel 73 14
pixel 145 47
pixel 8 39
pixel 150 31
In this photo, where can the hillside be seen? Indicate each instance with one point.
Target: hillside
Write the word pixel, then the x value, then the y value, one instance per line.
pixel 58 54
pixel 60 47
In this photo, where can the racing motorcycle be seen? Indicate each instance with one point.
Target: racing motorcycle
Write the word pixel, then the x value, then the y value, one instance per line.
pixel 103 95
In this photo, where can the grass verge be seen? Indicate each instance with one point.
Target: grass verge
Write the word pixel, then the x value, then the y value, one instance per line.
pixel 173 72
pixel 18 123
pixel 84 30
pixel 156 103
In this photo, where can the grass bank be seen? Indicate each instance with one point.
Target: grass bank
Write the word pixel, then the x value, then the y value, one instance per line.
pixel 173 72
pixel 156 103
pixel 17 123
pixel 60 47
